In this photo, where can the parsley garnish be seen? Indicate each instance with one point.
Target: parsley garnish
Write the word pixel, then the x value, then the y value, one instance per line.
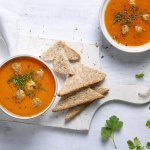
pixel 20 81
pixel 112 125
pixel 139 76
pixel 118 17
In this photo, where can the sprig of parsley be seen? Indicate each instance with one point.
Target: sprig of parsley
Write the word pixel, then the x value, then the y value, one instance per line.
pixel 135 144
pixel 112 125
pixel 139 76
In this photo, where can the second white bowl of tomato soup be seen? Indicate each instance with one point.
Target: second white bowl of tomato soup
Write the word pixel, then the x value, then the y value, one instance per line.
pixel 126 24
pixel 27 87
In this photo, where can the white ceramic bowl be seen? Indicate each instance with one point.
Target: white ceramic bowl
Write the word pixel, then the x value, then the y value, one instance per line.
pixel 30 117
pixel 131 49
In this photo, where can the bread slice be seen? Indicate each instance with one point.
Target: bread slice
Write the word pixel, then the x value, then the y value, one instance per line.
pixel 82 97
pixel 73 112
pixel 61 64
pixel 101 90
pixel 84 77
pixel 71 54
pixel 52 52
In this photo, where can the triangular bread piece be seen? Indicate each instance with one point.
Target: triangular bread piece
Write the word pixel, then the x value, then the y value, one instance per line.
pixel 71 54
pixel 84 77
pixel 73 112
pixel 101 90
pixel 61 64
pixel 52 52
pixel 82 97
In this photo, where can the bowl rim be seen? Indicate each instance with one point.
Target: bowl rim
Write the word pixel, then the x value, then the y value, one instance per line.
pixel 121 47
pixel 55 93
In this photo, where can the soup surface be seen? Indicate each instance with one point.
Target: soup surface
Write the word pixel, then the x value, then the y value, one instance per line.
pixel 27 86
pixel 128 21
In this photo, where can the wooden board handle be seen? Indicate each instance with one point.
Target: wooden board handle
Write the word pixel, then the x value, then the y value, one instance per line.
pixel 128 93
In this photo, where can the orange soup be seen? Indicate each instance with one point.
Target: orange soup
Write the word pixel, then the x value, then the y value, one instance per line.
pixel 27 86
pixel 128 21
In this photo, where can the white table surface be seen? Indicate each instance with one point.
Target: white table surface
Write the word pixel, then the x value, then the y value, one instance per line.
pixel 77 20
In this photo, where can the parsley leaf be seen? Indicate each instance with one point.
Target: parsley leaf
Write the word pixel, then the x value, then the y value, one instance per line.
pixel 130 145
pixel 106 133
pixel 112 125
pixel 148 124
pixel 148 145
pixel 135 145
pixel 139 76
pixel 137 142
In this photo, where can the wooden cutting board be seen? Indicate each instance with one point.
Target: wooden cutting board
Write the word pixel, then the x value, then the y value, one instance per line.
pixel 90 57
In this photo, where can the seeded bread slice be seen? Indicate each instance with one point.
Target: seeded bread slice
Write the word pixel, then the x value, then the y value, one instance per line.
pixel 73 112
pixel 84 77
pixel 101 90
pixel 71 54
pixel 61 64
pixel 82 97
pixel 52 52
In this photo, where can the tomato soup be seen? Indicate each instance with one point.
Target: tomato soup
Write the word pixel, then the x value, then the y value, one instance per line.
pixel 128 21
pixel 27 86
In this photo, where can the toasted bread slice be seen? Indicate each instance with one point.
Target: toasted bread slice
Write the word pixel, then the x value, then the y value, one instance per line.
pixel 82 97
pixel 84 77
pixel 73 112
pixel 52 52
pixel 101 90
pixel 71 54
pixel 61 64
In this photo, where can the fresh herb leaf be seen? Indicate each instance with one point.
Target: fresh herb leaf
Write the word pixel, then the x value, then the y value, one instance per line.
pixel 130 145
pixel 139 76
pixel 148 145
pixel 135 145
pixel 137 142
pixel 148 124
pixel 118 17
pixel 112 125
pixel 106 133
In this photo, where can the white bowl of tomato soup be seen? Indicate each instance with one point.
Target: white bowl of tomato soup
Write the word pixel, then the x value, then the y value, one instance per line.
pixel 126 24
pixel 27 87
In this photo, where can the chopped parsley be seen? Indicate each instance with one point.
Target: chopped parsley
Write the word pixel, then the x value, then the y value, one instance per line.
pixel 127 16
pixel 20 81
pixel 118 17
